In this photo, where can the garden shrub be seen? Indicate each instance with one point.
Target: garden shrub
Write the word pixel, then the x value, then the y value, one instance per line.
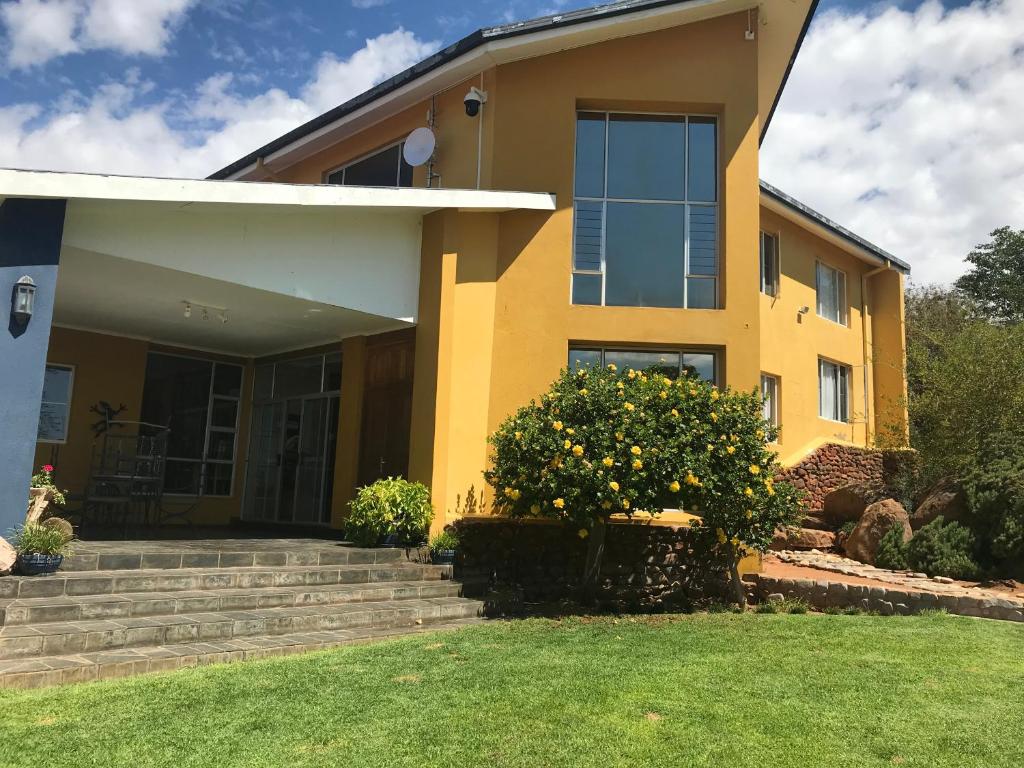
pixel 390 506
pixel 601 442
pixel 892 550
pixel 995 495
pixel 943 549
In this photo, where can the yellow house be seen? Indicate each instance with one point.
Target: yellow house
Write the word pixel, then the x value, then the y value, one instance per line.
pixel 353 315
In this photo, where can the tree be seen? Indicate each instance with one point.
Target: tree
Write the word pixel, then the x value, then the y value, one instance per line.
pixel 601 442
pixel 996 281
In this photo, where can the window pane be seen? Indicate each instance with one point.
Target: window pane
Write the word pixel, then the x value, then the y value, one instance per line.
pixel 586 289
pixel 703 240
pixel 263 381
pixel 222 446
pixel 827 390
pixel 182 477
pixel 332 372
pixel 587 235
pixel 404 169
pixel 584 358
pixel 224 413
pixel 379 170
pixel 646 157
pixel 176 394
pixel 840 301
pixel 298 377
pixel 665 363
pixel 700 293
pixel 644 255
pixel 843 401
pixel 769 393
pixel 826 292
pixel 218 480
pixel 590 155
pixel 702 161
pixel 227 380
pixel 769 270
pixel 701 364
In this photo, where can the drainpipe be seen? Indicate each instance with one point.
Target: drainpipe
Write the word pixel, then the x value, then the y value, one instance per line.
pixel 868 414
pixel 480 135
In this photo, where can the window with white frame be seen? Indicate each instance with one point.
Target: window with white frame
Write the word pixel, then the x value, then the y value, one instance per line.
pixel 831 288
pixel 55 408
pixel 669 362
pixel 645 231
pixel 833 390
pixel 770 398
pixel 386 168
pixel 769 264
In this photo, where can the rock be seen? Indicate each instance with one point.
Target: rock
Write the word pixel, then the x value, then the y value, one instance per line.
pixel 8 556
pixel 947 499
pixel 847 504
pixel 942 579
pixel 776 597
pixel 817 521
pixel 877 520
pixel 803 538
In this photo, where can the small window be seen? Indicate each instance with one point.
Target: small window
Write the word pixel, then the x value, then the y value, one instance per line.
pixel 55 408
pixel 770 397
pixel 666 362
pixel 831 288
pixel 386 168
pixel 833 391
pixel 769 264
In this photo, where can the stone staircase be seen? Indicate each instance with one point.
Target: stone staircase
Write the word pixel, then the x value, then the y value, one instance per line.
pixel 123 608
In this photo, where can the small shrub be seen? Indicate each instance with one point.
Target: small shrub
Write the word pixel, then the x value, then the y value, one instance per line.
pixel 892 550
pixel 847 527
pixel 853 610
pixel 794 605
pixel 36 538
pixel 833 610
pixel 767 607
pixel 717 606
pixel 390 506
pixel 445 540
pixel 941 549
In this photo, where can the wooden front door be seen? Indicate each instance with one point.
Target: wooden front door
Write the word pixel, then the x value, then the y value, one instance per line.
pixel 387 406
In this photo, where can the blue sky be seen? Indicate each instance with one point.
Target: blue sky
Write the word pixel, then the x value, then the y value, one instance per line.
pixel 888 125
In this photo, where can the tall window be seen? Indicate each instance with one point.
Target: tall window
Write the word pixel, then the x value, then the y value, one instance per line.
pixel 666 362
pixel 769 264
pixel 646 211
pixel 386 168
pixel 198 400
pixel 770 396
pixel 831 288
pixel 833 391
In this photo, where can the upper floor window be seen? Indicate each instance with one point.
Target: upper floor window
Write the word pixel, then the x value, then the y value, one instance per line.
pixel 831 288
pixel 646 211
pixel 666 362
pixel 386 168
pixel 769 264
pixel 833 390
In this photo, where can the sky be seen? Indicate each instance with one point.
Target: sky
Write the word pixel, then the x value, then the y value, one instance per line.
pixel 902 120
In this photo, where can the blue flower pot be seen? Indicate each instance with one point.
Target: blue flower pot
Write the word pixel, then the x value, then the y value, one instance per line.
pixel 35 564
pixel 442 556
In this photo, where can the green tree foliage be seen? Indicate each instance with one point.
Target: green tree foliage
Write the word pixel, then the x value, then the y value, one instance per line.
pixel 943 549
pixel 892 550
pixel 995 493
pixel 996 281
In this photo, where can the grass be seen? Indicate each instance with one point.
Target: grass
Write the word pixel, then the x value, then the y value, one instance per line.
pixel 708 689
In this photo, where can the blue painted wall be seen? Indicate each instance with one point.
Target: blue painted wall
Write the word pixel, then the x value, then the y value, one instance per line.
pixel 30 238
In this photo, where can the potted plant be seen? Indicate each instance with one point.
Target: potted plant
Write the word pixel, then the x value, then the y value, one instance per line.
pixel 390 512
pixel 42 546
pixel 42 491
pixel 443 546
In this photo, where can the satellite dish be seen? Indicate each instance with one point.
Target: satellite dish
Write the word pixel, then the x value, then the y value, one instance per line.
pixel 419 146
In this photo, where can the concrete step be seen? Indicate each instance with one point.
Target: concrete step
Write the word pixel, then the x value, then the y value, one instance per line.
pixel 69 638
pixel 102 665
pixel 40 610
pixel 81 583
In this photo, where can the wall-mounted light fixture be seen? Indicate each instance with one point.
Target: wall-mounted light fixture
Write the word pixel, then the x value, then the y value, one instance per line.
pixel 23 300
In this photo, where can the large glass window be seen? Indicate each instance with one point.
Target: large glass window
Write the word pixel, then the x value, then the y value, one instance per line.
pixel 770 398
pixel 386 168
pixel 198 400
pixel 769 264
pixel 831 289
pixel 833 391
pixel 645 230
pixel 666 362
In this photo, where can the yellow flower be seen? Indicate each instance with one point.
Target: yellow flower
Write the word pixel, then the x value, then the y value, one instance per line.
pixel 625 503
pixel 691 479
pixel 720 534
pixel 519 435
pixel 556 462
pixel 613 485
pixel 606 505
pixel 570 431
pixel 714 416
pixel 557 426
pixel 663 394
pixel 769 486
pixel 760 434
pixel 612 368
pixel 631 373
pixel 567 444
pixel 735 540
pixel 619 385
pixel 514 494
pixel 675 412
pixel 710 447
pixel 629 406
pixel 674 486
pixel 754 469
pixel 583 533
pixel 693 391
pixel 748 491
pixel 583 392
pixel 535 509
pixel 619 437
pixel 577 450
pixel 714 394
pixel 635 450
pixel 749 513
pixel 637 464
pixel 730 449
pixel 607 461
pixel 558 503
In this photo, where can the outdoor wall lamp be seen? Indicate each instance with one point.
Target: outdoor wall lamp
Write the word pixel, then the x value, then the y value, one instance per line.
pixel 23 301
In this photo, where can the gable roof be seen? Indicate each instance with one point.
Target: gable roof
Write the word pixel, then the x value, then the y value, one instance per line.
pixel 611 18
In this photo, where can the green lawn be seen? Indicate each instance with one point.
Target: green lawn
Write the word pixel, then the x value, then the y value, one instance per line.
pixel 717 690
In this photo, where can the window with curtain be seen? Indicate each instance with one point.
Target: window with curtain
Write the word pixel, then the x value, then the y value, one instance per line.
pixel 386 168
pixel 833 391
pixel 831 289
pixel 666 362
pixel 645 231
pixel 770 396
pixel 769 264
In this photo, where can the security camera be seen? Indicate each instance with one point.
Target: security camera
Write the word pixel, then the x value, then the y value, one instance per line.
pixel 473 100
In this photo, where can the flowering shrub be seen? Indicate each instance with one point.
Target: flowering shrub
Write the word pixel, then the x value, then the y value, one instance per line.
pixel 601 442
pixel 44 479
pixel 390 506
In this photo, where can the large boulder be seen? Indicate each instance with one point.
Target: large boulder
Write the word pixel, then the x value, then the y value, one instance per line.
pixel 8 556
pixel 802 538
pixel 878 519
pixel 817 521
pixel 847 504
pixel 947 499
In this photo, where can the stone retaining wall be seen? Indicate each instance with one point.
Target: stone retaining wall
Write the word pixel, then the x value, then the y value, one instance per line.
pixel 834 465
pixel 823 594
pixel 646 567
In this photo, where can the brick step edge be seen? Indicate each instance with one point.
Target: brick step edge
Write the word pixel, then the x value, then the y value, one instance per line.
pixel 108 665
pixel 823 593
pixel 135 560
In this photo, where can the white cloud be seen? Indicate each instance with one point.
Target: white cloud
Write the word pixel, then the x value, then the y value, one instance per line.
pixel 906 127
pixel 362 4
pixel 40 30
pixel 112 130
